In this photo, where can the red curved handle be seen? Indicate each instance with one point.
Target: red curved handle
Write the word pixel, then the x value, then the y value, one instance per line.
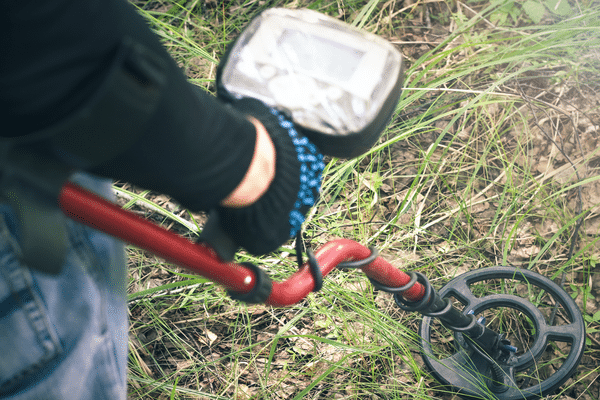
pixel 296 287
pixel 98 213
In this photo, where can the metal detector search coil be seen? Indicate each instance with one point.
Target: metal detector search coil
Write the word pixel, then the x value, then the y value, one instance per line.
pixel 340 85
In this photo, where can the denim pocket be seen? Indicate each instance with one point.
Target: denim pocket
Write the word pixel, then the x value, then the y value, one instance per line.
pixel 65 335
pixel 28 340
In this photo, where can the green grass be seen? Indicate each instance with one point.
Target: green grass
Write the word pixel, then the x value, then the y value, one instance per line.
pixel 477 168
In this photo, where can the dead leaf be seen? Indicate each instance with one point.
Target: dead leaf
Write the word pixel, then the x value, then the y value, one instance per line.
pixel 208 339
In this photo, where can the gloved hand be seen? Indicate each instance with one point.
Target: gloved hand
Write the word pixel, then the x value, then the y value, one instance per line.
pixel 279 213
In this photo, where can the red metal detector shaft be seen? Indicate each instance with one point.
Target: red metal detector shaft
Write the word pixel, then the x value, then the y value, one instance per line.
pixel 96 212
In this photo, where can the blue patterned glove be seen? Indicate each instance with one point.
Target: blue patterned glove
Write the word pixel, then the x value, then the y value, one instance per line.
pixel 278 215
pixel 311 167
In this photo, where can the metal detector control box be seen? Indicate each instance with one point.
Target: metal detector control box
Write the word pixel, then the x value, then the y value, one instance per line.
pixel 340 85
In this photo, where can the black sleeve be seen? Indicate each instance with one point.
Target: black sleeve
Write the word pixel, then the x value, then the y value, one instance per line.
pixel 54 57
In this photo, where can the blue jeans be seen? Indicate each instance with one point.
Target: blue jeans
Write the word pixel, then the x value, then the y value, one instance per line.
pixel 64 336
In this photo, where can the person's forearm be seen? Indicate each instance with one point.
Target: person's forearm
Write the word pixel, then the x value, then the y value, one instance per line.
pixel 192 147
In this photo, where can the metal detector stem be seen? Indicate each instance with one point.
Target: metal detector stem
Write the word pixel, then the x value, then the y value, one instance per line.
pixel 92 210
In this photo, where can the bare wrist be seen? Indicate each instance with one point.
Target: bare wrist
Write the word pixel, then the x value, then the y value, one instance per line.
pixel 260 172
